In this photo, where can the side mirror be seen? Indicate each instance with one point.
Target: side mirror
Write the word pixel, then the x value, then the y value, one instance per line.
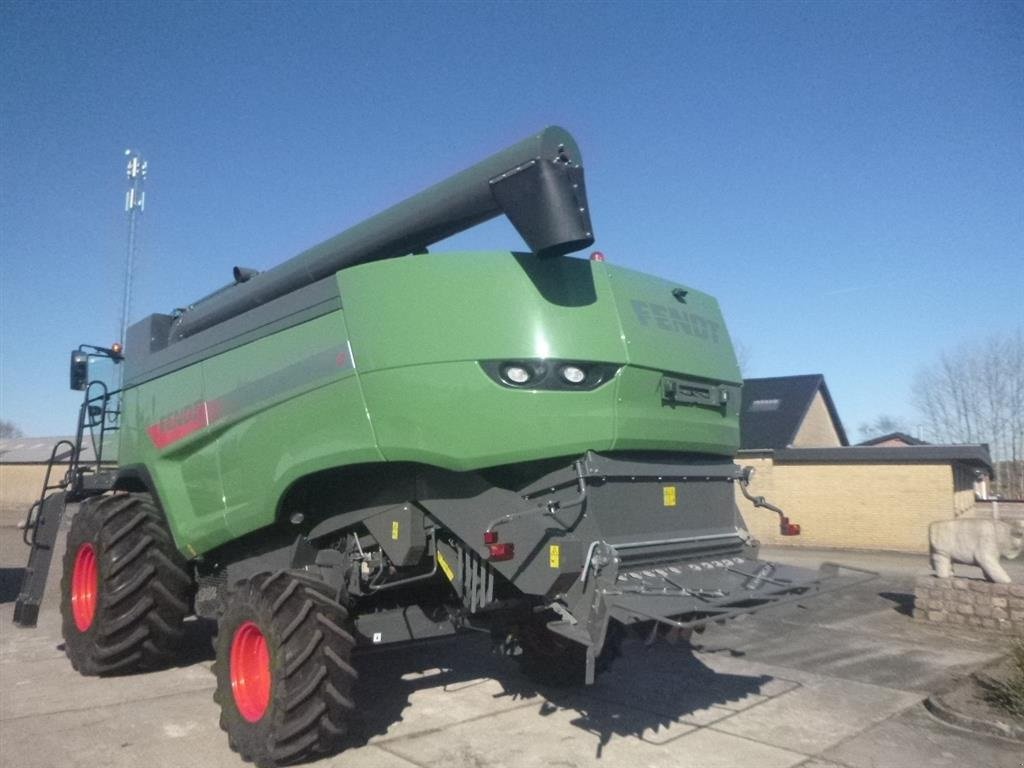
pixel 79 370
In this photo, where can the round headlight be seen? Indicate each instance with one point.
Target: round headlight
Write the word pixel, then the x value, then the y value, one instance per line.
pixel 516 374
pixel 573 374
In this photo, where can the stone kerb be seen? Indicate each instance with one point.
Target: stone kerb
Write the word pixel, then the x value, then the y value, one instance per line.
pixel 970 603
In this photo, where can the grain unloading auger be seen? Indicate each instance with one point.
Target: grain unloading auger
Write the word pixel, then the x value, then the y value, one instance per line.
pixel 371 444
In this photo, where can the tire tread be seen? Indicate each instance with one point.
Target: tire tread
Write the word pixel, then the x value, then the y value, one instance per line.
pixel 311 705
pixel 145 588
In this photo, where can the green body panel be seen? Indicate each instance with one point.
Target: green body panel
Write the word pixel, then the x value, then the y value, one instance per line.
pixel 643 423
pixel 453 416
pixel 686 337
pixel 478 306
pixel 421 324
pixel 297 408
pixel 187 474
pixel 279 408
pixel 395 376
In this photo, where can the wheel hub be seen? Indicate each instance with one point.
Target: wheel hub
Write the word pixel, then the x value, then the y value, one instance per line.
pixel 250 671
pixel 85 581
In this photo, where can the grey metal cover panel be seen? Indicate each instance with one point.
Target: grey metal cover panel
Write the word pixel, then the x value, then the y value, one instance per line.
pixel 300 306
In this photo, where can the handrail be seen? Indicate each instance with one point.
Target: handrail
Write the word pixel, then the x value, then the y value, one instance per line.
pixel 31 524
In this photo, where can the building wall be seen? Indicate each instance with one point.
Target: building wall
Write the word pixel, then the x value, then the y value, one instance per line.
pixel 21 484
pixel 817 429
pixel 963 489
pixel 850 506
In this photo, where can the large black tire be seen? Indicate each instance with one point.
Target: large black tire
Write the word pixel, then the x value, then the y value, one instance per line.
pixel 284 681
pixel 125 591
pixel 551 659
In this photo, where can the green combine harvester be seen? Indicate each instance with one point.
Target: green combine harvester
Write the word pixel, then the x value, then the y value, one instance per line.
pixel 373 444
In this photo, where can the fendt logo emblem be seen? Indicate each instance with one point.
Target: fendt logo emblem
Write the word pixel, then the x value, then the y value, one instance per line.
pixel 675 320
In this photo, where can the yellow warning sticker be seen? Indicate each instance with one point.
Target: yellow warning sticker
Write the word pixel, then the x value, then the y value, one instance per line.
pixel 668 494
pixel 555 555
pixel 445 567
pixel 394 530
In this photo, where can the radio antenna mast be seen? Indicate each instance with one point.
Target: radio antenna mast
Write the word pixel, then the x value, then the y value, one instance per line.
pixel 134 205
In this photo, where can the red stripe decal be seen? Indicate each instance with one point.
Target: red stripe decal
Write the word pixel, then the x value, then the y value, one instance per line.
pixel 180 425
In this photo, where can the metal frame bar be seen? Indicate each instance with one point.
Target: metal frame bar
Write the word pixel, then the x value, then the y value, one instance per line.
pixel 736 533
pixel 418 577
pixel 810 589
pixel 553 508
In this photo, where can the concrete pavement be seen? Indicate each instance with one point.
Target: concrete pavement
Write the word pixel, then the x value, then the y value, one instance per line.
pixel 836 681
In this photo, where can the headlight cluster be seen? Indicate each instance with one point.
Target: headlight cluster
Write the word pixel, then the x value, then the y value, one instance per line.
pixel 549 374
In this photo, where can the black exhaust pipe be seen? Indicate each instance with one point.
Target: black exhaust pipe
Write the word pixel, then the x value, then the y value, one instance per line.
pixel 537 184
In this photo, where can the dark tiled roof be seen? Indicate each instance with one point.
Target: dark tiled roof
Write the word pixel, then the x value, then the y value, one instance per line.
pixel 774 408
pixel 972 455
pixel 902 436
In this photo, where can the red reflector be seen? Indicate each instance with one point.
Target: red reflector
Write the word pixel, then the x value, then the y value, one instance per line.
pixel 787 528
pixel 490 537
pixel 501 551
pixel 597 256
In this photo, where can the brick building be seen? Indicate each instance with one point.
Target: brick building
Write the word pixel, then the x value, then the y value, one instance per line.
pixel 851 497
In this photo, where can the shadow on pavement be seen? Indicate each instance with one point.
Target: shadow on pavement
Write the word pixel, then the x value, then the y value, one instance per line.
pixel 10 583
pixel 904 602
pixel 647 690
pixel 198 643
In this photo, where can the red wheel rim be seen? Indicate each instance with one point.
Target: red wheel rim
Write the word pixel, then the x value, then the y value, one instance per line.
pixel 85 582
pixel 250 671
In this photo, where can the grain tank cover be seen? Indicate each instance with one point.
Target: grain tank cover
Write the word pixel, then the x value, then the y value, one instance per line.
pixel 537 184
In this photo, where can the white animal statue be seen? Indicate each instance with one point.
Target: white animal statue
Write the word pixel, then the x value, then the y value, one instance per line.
pixel 974 541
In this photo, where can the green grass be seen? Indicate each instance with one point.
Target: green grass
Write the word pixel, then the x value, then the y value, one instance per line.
pixel 1008 694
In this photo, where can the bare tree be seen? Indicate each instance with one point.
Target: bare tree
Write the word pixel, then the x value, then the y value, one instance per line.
pixel 881 425
pixel 9 429
pixel 975 394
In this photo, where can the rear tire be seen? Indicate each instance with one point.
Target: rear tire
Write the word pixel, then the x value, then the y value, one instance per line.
pixel 125 591
pixel 284 681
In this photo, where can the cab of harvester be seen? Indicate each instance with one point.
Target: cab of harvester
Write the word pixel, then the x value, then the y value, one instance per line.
pixel 373 443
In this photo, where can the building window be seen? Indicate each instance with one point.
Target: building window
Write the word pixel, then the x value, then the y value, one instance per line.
pixel 765 405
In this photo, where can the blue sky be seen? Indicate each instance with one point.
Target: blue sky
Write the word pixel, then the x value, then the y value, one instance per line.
pixel 847 178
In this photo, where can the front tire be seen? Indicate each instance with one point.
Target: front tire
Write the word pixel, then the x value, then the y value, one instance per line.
pixel 284 681
pixel 125 591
